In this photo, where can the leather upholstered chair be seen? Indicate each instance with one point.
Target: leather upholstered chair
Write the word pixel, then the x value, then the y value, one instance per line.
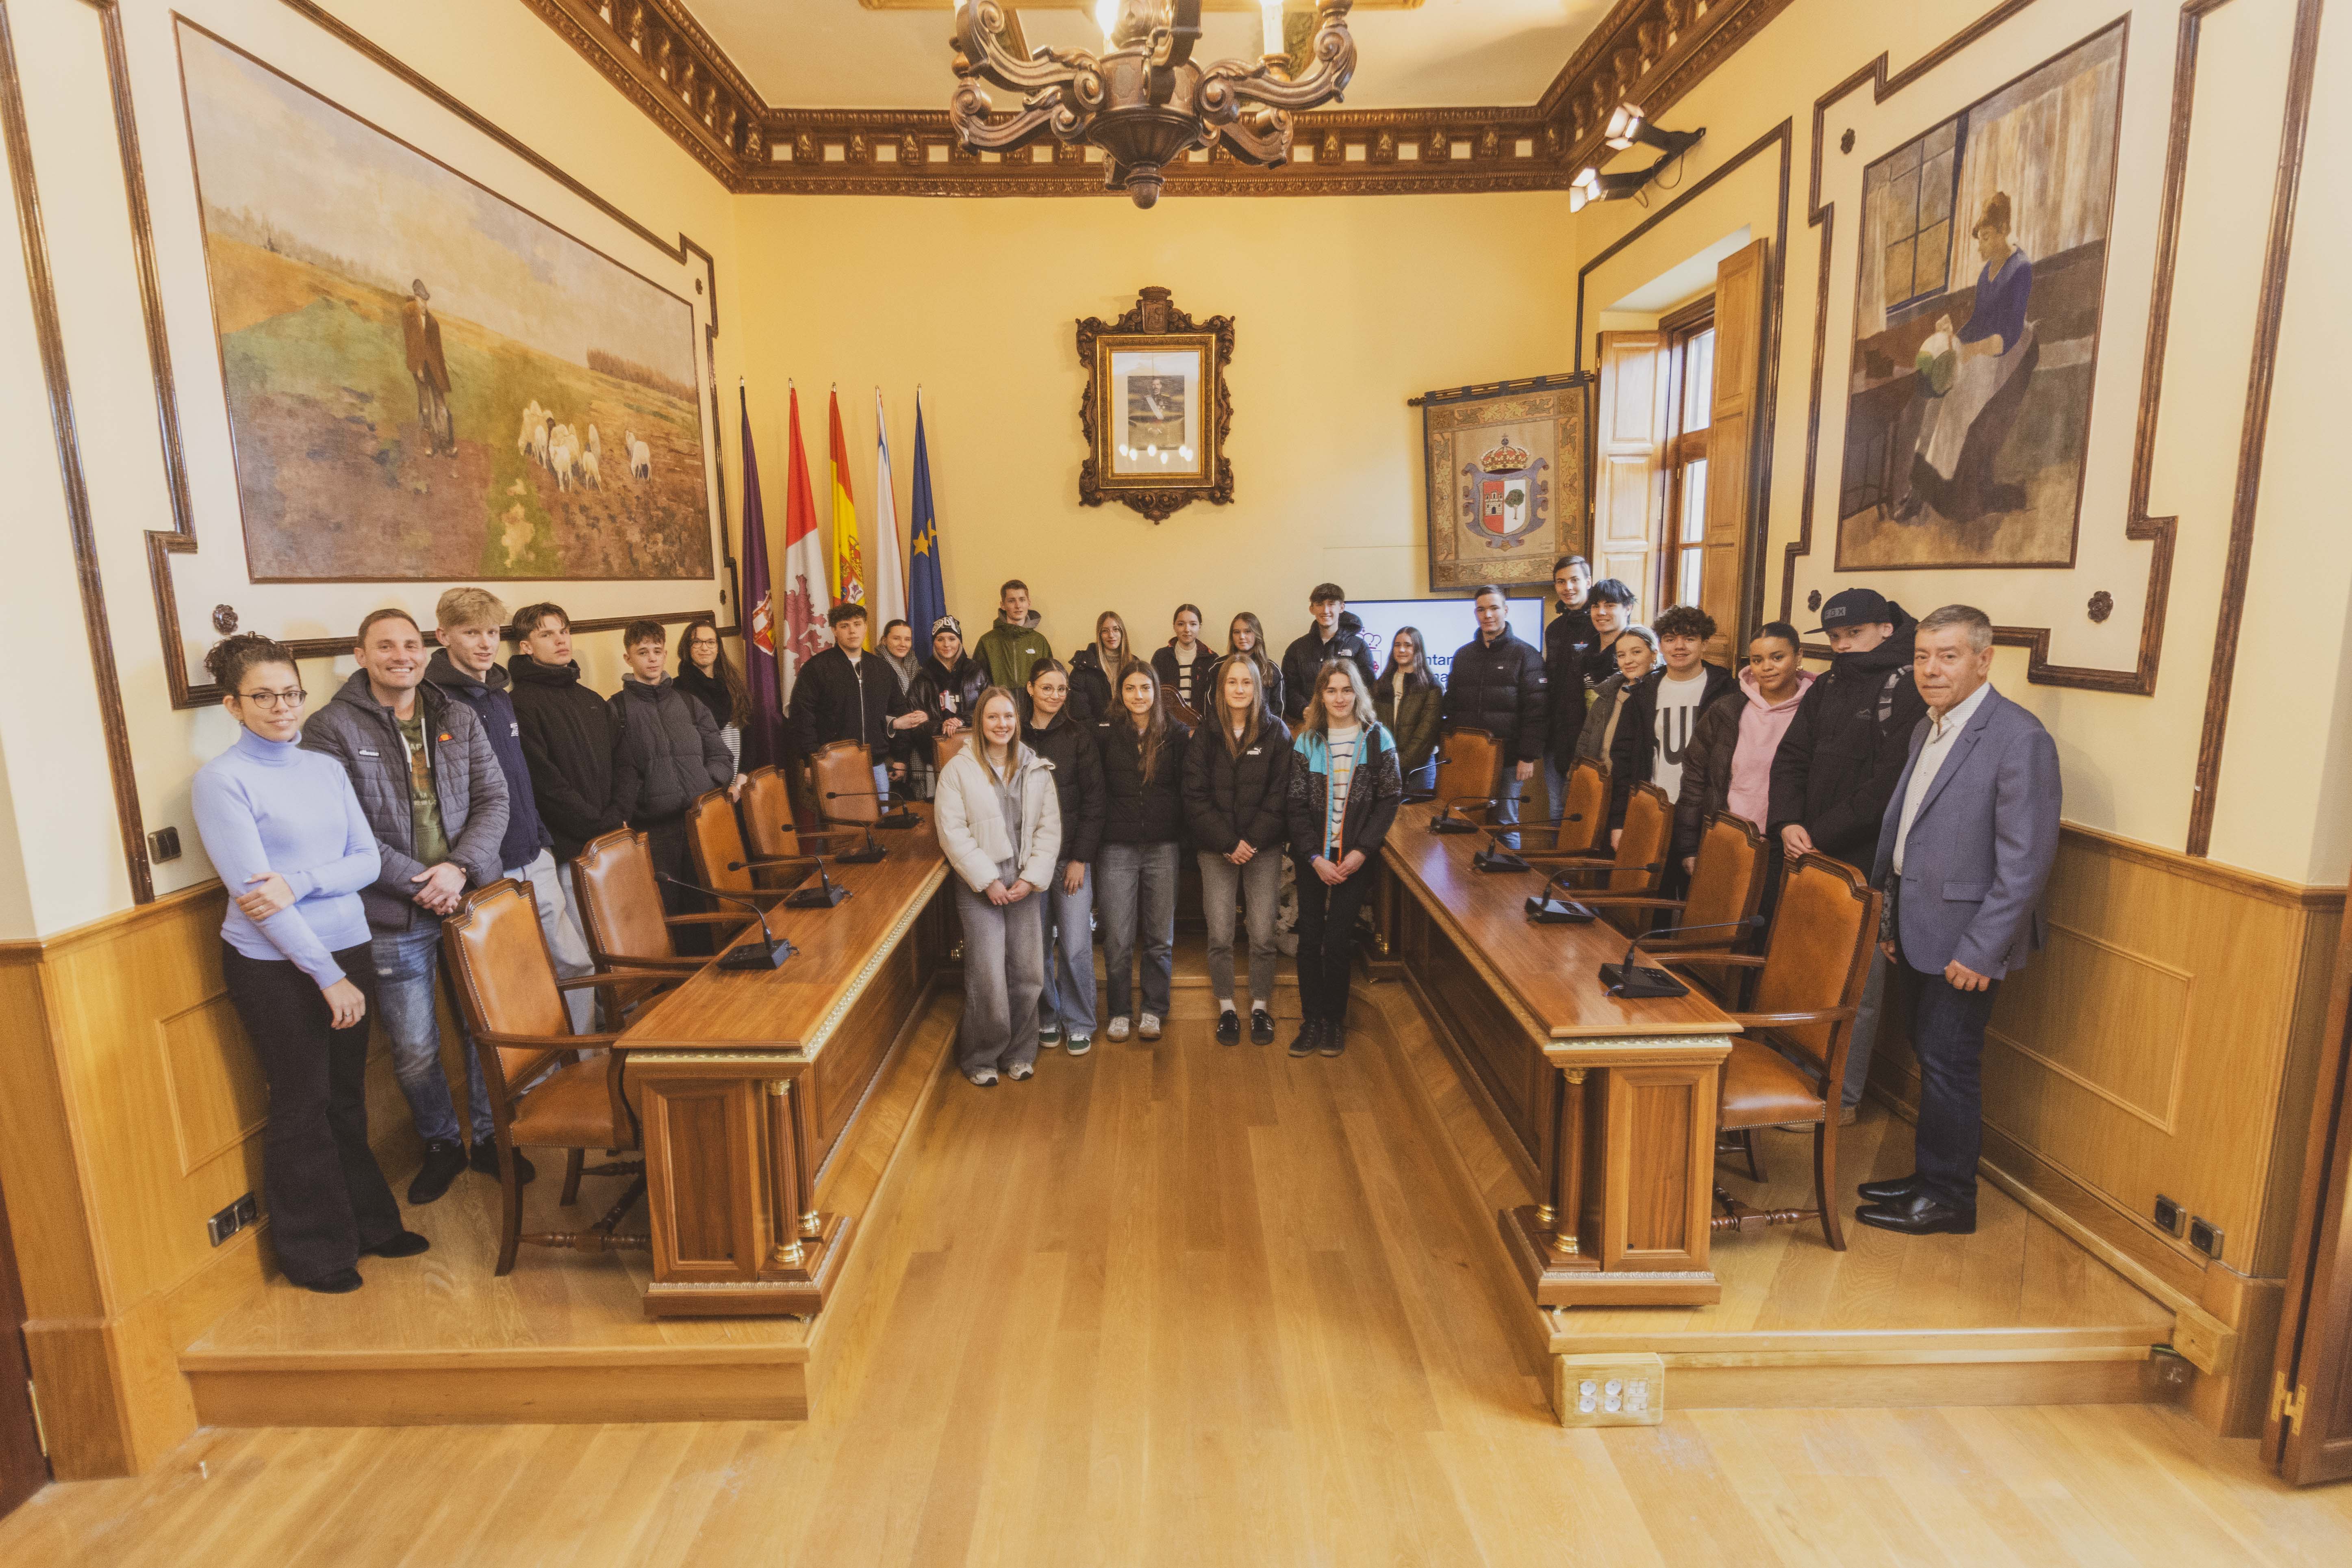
pixel 945 747
pixel 1585 821
pixel 1727 885
pixel 720 860
pixel 1469 765
pixel 1634 870
pixel 621 907
pixel 843 777
pixel 541 1093
pixel 1788 1063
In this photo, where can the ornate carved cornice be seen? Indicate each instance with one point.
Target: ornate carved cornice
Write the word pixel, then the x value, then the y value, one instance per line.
pixel 1652 52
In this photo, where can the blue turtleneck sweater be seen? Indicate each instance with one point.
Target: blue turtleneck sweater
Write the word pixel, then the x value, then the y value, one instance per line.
pixel 264 805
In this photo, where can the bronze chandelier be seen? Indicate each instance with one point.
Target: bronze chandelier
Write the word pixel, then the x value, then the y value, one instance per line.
pixel 1143 101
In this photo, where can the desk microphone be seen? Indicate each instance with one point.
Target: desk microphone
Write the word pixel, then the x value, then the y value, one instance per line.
pixel 1499 858
pixel 1545 910
pixel 1446 822
pixel 1631 982
pixel 904 818
pixel 769 953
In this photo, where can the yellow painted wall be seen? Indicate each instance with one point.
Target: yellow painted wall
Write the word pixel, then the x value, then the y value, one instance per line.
pixel 1343 310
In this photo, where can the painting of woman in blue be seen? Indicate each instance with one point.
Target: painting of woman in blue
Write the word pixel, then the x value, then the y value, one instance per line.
pixel 1962 429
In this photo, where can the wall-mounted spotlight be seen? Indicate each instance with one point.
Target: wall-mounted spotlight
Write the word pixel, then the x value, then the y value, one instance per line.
pixel 1592 185
pixel 1628 125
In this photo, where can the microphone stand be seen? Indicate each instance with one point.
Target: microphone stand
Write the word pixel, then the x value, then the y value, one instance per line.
pixel 1544 910
pixel 1632 981
pixel 1446 822
pixel 904 818
pixel 769 953
pixel 1496 857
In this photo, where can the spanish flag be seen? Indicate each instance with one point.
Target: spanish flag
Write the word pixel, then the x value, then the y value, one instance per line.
pixel 848 560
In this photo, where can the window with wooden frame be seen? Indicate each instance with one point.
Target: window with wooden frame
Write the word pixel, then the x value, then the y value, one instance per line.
pixel 1689 335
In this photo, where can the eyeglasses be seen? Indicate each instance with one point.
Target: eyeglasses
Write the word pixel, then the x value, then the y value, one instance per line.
pixel 292 699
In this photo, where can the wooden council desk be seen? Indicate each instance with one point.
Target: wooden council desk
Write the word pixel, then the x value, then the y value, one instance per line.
pixel 1607 1106
pixel 747 1079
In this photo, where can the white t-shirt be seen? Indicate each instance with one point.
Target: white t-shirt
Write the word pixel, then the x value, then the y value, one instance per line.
pixel 1679 708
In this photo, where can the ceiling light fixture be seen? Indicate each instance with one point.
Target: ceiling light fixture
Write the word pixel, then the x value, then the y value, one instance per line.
pixel 1592 185
pixel 1142 101
pixel 1627 127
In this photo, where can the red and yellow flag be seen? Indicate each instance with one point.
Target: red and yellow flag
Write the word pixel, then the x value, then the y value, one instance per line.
pixel 848 560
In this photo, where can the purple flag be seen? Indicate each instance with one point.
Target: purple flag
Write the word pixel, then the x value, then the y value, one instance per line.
pixel 763 742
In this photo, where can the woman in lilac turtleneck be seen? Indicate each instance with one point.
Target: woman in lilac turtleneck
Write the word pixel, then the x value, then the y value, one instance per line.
pixel 286 834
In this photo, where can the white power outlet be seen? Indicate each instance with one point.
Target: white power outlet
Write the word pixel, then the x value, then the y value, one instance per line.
pixel 1628 1390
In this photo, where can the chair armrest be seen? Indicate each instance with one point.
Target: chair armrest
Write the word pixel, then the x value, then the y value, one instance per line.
pixel 1630 901
pixel 673 964
pixel 1743 960
pixel 1790 1020
pixel 619 977
pixel 543 1042
pixel 736 918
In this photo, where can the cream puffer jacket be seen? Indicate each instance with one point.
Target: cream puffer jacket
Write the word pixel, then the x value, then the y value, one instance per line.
pixel 971 825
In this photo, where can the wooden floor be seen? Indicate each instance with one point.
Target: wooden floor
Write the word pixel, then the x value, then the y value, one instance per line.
pixel 1184 1305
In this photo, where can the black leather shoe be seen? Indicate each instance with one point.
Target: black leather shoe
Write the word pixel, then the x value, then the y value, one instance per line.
pixel 399 1244
pixel 1335 1037
pixel 1890 1192
pixel 1261 1026
pixel 1310 1036
pixel 444 1159
pixel 1919 1215
pixel 1229 1026
pixel 340 1283
pixel 485 1158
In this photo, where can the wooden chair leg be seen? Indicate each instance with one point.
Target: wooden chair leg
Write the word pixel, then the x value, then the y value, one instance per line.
pixel 1825 1176
pixel 510 1208
pixel 1755 1166
pixel 573 1158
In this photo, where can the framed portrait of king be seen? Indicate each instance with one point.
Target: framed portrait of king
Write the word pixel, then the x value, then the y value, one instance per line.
pixel 1508 478
pixel 1156 413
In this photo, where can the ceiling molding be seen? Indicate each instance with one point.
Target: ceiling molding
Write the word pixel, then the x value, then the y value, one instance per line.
pixel 1652 52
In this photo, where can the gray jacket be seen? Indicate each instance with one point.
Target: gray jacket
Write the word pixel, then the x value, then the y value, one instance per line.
pixel 360 733
pixel 1592 741
pixel 1982 848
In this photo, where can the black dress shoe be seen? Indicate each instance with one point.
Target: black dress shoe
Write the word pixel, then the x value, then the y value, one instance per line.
pixel 340 1283
pixel 1309 1037
pixel 1889 1192
pixel 1919 1215
pixel 1261 1026
pixel 1229 1026
pixel 444 1159
pixel 399 1244
pixel 485 1158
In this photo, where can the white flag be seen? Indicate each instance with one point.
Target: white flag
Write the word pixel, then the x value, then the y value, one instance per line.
pixel 885 568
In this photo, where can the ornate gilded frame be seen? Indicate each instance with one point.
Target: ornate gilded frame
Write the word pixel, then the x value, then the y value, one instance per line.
pixel 1156 325
pixel 1560 485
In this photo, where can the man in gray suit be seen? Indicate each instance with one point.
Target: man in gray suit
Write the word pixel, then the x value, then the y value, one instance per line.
pixel 1964 852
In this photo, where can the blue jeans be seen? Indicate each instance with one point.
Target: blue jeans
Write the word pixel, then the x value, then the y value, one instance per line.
pixel 406 964
pixel 1139 903
pixel 1865 1030
pixel 1505 808
pixel 1066 921
pixel 1555 790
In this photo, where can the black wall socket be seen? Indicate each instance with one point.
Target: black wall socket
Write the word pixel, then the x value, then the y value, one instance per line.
pixel 2205 1236
pixel 2167 1215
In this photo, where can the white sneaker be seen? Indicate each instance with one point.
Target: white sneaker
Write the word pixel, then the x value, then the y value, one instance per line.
pixel 1117 1031
pixel 1150 1027
pixel 1081 1043
pixel 1021 1073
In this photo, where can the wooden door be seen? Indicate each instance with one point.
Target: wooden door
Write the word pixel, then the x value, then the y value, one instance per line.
pixel 2308 1432
pixel 1628 479
pixel 24 1470
pixel 1740 307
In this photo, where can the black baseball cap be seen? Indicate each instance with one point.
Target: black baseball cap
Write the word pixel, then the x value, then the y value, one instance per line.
pixel 1854 607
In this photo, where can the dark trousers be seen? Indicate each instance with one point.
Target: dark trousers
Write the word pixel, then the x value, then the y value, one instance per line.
pixel 1326 941
pixel 665 847
pixel 326 1195
pixel 1947 1032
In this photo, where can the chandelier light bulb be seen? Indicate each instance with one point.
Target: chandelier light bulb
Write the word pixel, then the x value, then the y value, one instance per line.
pixel 1272 11
pixel 1106 18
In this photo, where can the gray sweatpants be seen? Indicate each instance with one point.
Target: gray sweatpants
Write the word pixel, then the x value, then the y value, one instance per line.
pixel 1259 886
pixel 1004 971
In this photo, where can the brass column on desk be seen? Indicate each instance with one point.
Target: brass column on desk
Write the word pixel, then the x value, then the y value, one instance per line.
pixel 1608 1106
pixel 747 1079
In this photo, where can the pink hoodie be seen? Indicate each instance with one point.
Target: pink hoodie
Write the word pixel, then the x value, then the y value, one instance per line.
pixel 1761 725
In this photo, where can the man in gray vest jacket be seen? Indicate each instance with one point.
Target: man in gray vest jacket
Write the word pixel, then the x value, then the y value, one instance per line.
pixel 430 788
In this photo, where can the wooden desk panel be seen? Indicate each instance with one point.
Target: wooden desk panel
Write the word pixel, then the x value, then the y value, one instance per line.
pixel 747 1080
pixel 1609 1105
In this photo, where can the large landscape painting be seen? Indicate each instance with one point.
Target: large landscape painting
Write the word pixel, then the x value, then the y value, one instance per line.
pixel 424 381
pixel 1984 258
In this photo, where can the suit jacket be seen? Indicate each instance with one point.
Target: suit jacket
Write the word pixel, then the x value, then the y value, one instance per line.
pixel 1982 846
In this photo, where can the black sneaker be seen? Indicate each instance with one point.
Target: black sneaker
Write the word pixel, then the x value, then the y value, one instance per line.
pixel 1335 1038
pixel 444 1159
pixel 1229 1026
pixel 1310 1036
pixel 1261 1026
pixel 485 1158
pixel 400 1244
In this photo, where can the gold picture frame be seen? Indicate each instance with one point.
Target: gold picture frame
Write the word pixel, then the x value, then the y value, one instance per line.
pixel 1156 413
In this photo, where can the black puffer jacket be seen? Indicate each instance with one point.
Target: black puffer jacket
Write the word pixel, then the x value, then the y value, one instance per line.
pixel 1569 642
pixel 1229 799
pixel 1311 653
pixel 834 699
pixel 1634 751
pixel 939 694
pixel 360 733
pixel 669 754
pixel 1136 810
pixel 1500 687
pixel 1090 695
pixel 568 736
pixel 1847 749
pixel 1269 680
pixel 1204 668
pixel 1374 791
pixel 1069 746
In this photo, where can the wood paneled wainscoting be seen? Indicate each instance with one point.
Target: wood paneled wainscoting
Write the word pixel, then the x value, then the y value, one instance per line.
pixel 2163 1043
pixel 131 1111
